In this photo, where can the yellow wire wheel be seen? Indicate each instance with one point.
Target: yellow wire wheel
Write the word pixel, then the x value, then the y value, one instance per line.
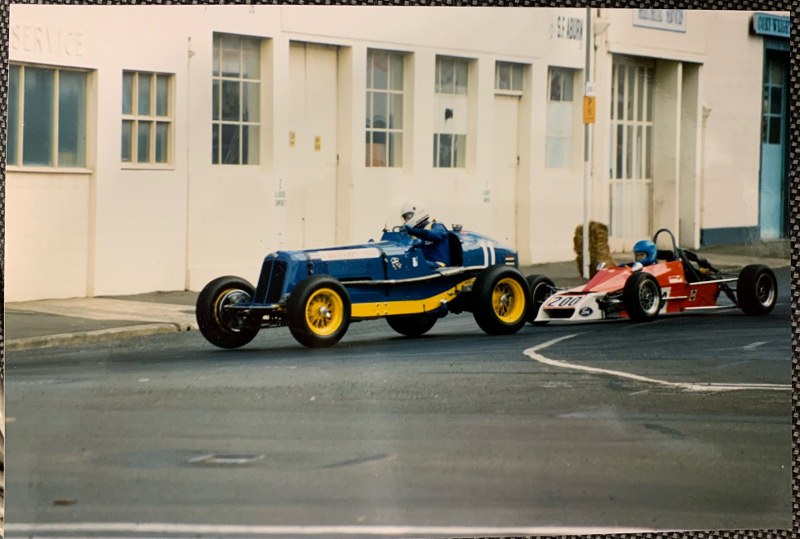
pixel 508 300
pixel 500 300
pixel 324 312
pixel 318 311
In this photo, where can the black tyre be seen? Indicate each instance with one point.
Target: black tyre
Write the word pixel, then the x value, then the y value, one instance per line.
pixel 641 297
pixel 318 311
pixel 500 299
pixel 222 327
pixel 541 288
pixel 414 325
pixel 756 290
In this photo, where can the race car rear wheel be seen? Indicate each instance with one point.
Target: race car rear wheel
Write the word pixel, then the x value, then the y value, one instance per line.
pixel 641 297
pixel 541 289
pixel 414 325
pixel 318 311
pixel 756 290
pixel 220 326
pixel 500 300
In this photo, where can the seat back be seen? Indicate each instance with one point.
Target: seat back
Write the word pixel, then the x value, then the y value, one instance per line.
pixel 456 251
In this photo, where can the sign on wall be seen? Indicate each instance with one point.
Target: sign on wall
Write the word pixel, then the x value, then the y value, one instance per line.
pixel 673 20
pixel 771 25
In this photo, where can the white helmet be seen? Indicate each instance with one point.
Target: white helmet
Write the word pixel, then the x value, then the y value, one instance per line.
pixel 413 215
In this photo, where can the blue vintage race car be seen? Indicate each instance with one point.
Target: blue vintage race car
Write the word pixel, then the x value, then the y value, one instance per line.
pixel 318 292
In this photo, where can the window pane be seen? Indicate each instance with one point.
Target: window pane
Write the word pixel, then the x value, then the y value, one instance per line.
pixel 230 101
pixel 215 129
pixel 619 148
pixel 37 141
pixel 380 110
pixel 127 141
pixel 445 79
pixel 251 58
pixel 396 112
pixel 230 145
pixel 231 52
pixel 775 130
pixel 217 52
pixel 215 100
pixel 127 93
pixel 461 77
pixel 629 152
pixel 71 119
pixel 143 143
pixel 568 77
pixel 250 101
pixel 395 150
pixel 503 76
pixel 516 78
pixel 370 61
pixel 250 145
pixel 13 116
pixel 162 142
pixel 162 95
pixel 631 91
pixel 460 151
pixel 396 79
pixel 648 158
pixel 639 151
pixel 144 94
pixel 380 70
pixel 775 72
pixel 620 91
pixel 775 100
pixel 445 150
pixel 555 85
pixel 640 103
pixel 649 81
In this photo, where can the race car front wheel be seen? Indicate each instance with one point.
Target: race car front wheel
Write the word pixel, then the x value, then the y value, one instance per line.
pixel 318 311
pixel 641 297
pixel 541 289
pixel 500 300
pixel 221 326
pixel 756 290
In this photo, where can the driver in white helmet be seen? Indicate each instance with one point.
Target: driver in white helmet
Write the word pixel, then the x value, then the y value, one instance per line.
pixel 433 235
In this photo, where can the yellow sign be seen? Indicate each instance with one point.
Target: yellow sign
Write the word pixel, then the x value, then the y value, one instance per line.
pixel 317 143
pixel 589 108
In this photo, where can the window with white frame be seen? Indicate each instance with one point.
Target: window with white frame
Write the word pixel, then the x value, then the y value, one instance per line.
pixel 452 88
pixel 560 107
pixel 508 78
pixel 46 117
pixel 146 117
pixel 384 131
pixel 236 109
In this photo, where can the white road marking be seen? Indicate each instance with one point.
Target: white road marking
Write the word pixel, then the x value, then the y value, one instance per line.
pixel 163 529
pixel 534 354
pixel 755 345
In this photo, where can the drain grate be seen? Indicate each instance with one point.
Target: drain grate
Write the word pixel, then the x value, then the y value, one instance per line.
pixel 232 460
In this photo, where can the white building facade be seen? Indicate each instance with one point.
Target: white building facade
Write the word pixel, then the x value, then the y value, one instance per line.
pixel 155 148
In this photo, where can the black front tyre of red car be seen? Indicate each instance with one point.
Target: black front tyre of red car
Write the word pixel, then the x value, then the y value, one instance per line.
pixel 220 325
pixel 756 290
pixel 641 297
pixel 541 288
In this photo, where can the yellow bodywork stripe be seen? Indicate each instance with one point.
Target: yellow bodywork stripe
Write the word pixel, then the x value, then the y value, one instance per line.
pixel 416 306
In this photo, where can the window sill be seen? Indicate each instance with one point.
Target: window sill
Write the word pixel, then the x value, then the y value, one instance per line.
pixel 146 166
pixel 49 170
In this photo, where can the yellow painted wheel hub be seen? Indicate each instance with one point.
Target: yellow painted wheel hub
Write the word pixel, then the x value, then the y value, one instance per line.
pixel 508 300
pixel 324 312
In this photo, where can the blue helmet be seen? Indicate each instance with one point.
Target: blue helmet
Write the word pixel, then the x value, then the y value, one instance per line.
pixel 644 252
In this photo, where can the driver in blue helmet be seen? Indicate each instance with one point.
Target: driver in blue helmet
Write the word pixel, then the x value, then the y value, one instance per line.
pixel 644 252
pixel 432 235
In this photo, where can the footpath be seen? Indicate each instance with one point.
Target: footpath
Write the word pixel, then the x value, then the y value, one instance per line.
pixel 59 322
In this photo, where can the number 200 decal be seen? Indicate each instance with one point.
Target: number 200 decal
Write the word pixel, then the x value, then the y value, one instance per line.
pixel 564 301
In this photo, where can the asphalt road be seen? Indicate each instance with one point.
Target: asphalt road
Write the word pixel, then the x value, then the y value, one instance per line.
pixel 558 429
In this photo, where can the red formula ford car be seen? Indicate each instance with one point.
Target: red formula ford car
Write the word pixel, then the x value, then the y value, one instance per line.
pixel 678 281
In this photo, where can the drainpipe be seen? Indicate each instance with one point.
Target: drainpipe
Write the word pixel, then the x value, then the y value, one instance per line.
pixel 587 177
